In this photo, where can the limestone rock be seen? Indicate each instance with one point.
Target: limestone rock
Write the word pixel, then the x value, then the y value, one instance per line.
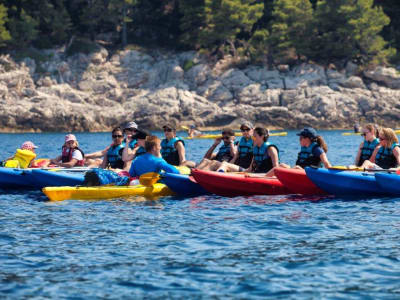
pixel 388 76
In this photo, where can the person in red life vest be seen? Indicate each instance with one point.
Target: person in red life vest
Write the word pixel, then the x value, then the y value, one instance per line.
pixel 71 155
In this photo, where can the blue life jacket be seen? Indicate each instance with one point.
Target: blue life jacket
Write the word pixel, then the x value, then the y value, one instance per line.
pixel 114 156
pixel 367 150
pixel 140 151
pixel 306 158
pixel 385 158
pixel 245 148
pixel 132 144
pixel 262 160
pixel 169 152
pixel 224 153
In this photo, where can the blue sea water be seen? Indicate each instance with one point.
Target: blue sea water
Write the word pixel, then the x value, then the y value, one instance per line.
pixel 278 247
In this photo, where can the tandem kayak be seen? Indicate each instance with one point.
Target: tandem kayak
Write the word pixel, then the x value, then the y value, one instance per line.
pixel 237 184
pixel 345 183
pixel 214 136
pixel 105 192
pixel 16 178
pixel 297 182
pixel 183 185
pixel 389 182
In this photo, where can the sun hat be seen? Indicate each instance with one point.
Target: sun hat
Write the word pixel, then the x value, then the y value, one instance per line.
pixel 130 125
pixel 247 124
pixel 28 145
pixel 70 137
pixel 308 132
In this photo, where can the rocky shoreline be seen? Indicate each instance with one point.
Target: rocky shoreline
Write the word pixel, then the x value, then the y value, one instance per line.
pixel 99 91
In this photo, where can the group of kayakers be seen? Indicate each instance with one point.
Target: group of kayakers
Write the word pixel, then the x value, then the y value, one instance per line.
pixel 135 150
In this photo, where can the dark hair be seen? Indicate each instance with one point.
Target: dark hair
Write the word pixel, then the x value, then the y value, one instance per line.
pixel 228 131
pixel 262 132
pixel 117 129
pixel 151 142
pixel 320 141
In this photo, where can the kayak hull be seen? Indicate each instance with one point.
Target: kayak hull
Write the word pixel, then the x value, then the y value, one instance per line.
pixel 105 192
pixel 389 182
pixel 345 183
pixel 16 178
pixel 183 185
pixel 44 178
pixel 231 184
pixel 297 182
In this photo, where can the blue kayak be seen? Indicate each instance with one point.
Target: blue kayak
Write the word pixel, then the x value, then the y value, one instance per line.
pixel 15 178
pixel 389 182
pixel 183 185
pixel 345 183
pixel 37 179
pixel 43 178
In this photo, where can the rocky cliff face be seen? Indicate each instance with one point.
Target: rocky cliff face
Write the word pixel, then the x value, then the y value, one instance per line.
pixel 99 91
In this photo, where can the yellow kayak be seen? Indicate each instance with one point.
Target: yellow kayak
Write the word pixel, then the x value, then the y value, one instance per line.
pixel 214 136
pixel 105 192
pixel 359 133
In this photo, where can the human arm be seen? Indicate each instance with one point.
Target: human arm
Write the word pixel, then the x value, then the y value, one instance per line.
pixel 396 153
pixel 104 162
pixel 359 154
pixel 325 160
pixel 181 151
pixel 97 154
pixel 232 146
pixel 373 156
pixel 210 151
pixel 164 166
pixel 55 160
pixel 273 153
pixel 128 154
pixel 250 168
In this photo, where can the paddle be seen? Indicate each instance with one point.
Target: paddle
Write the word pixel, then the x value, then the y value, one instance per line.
pixel 184 127
pixel 358 169
pixel 149 179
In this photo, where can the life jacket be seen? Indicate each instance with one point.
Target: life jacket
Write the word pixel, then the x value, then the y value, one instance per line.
pixel 306 158
pixel 169 152
pixel 21 159
pixel 245 148
pixel 66 155
pixel 262 160
pixel 367 150
pixel 132 144
pixel 224 153
pixel 114 156
pixel 385 158
pixel 140 151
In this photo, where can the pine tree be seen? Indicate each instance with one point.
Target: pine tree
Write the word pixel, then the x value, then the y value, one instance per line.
pixel 4 34
pixel 225 19
pixel 391 32
pixel 193 20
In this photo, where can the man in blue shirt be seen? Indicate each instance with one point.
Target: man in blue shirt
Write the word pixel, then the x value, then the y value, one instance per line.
pixel 151 161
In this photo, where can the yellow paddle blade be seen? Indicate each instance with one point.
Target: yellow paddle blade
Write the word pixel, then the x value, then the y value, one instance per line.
pixel 345 168
pixel 185 127
pixel 148 179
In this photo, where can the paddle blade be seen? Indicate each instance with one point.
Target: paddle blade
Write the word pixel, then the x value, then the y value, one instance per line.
pixel 149 179
pixel 185 127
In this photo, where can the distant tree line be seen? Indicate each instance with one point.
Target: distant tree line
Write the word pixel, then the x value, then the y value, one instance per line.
pixel 265 31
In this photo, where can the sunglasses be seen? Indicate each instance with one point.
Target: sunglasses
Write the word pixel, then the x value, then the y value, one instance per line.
pixel 244 129
pixel 167 130
pixel 115 136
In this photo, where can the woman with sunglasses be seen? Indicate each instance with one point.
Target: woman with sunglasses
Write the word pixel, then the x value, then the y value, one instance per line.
pixel 367 146
pixel 113 157
pixel 387 154
pixel 173 148
pixel 212 161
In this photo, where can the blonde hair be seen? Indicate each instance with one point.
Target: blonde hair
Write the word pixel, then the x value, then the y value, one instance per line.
pixel 150 142
pixel 389 135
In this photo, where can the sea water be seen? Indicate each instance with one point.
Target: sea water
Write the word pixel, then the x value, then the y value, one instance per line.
pixel 280 247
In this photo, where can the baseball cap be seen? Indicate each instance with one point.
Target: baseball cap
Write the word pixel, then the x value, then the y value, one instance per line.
pixel 28 145
pixel 247 124
pixel 141 135
pixel 308 132
pixel 70 137
pixel 130 125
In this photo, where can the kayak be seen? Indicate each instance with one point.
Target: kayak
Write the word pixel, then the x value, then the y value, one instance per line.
pixel 105 192
pixel 345 183
pixel 297 182
pixel 183 185
pixel 389 182
pixel 238 184
pixel 214 136
pixel 44 178
pixel 397 131
pixel 16 178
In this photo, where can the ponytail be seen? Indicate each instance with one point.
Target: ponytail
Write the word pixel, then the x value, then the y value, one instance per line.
pixel 262 132
pixel 320 141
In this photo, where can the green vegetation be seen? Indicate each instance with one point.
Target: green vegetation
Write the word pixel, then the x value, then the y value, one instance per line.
pixel 257 31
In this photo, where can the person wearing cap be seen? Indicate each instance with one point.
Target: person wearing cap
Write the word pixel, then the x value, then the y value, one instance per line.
pixel 71 155
pixel 151 160
pixel 23 157
pixel 245 145
pixel 113 157
pixel 313 149
pixel 128 155
pixel 212 161
pixel 193 132
pixel 130 129
pixel 173 148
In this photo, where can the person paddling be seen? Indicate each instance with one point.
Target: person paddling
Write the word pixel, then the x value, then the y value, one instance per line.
pixel 387 154
pixel 151 160
pixel 71 155
pixel 367 146
pixel 173 148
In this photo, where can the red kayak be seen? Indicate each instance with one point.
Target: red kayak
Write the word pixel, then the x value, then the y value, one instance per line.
pixel 234 184
pixel 297 182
